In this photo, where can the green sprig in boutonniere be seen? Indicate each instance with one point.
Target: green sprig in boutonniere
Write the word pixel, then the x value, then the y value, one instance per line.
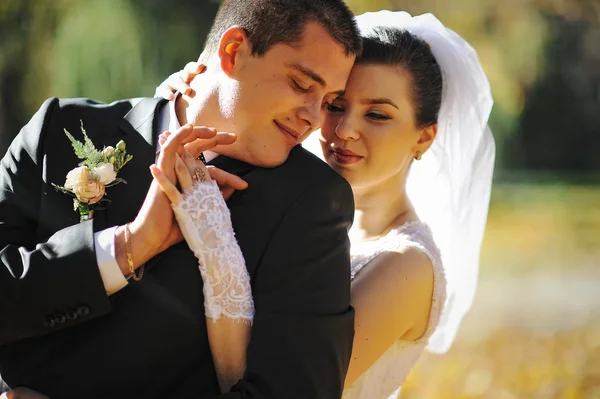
pixel 87 183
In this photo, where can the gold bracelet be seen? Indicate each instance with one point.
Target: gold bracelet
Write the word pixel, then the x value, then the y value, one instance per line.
pixel 130 257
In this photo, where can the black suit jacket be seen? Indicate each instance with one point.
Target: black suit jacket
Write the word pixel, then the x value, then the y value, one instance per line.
pixel 63 336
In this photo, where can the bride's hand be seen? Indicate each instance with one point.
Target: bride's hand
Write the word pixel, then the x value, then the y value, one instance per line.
pixel 188 169
pixel 179 81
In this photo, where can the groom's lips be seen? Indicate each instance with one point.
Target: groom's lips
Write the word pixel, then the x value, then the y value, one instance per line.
pixel 291 137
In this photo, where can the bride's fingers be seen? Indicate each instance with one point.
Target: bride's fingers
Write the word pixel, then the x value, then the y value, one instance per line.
pixel 227 192
pixel 207 133
pixel 194 68
pixel 196 167
pixel 166 186
pixel 164 135
pixel 165 91
pixel 196 147
pixel 184 135
pixel 226 179
pixel 184 77
pixel 171 85
pixel 180 83
pixel 206 138
pixel 162 140
pixel 184 175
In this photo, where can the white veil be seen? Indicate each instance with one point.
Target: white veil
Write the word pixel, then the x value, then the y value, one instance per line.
pixel 450 186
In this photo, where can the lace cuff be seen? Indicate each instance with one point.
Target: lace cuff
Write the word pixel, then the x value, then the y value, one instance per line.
pixel 205 222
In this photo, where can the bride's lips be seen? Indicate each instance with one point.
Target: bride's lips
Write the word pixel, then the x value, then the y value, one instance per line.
pixel 291 137
pixel 346 157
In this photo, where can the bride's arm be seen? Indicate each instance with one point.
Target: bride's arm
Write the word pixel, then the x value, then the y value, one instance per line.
pixel 205 222
pixel 392 298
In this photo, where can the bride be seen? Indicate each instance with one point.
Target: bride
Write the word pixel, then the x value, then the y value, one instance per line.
pixel 410 135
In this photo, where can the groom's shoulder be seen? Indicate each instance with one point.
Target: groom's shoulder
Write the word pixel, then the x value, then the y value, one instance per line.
pixel 57 114
pixel 81 107
pixel 307 166
pixel 303 173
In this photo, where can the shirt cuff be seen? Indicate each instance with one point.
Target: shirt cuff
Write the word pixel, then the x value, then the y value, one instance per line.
pixel 110 272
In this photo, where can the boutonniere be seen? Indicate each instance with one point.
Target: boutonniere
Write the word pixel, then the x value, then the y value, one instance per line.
pixel 97 171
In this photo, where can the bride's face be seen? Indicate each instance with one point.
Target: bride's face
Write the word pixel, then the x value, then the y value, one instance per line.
pixel 369 134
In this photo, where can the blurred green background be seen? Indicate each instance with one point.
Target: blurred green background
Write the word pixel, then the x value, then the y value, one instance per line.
pixel 534 331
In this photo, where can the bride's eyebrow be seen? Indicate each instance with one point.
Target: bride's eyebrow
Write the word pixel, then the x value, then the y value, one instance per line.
pixel 377 101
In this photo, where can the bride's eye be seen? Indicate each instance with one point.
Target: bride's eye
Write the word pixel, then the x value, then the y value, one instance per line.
pixel 298 87
pixel 377 116
pixel 334 108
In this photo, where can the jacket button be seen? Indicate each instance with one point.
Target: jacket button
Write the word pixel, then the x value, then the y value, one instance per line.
pixel 49 322
pixel 71 315
pixel 60 318
pixel 83 311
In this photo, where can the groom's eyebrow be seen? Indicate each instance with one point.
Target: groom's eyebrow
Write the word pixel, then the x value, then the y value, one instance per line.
pixel 309 73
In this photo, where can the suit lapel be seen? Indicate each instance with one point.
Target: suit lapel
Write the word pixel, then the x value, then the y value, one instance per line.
pixel 140 129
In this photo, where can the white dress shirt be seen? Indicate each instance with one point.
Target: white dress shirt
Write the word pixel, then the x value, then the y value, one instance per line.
pixel 104 241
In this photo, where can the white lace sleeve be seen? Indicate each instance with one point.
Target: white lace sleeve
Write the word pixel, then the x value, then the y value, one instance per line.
pixel 205 222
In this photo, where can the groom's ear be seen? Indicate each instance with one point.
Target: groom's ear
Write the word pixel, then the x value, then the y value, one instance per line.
pixel 233 47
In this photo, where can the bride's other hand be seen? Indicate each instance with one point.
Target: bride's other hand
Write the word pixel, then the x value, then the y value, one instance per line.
pixel 189 170
pixel 180 81
pixel 228 183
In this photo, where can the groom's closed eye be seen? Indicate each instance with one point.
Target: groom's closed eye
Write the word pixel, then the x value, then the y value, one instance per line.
pixel 308 73
pixel 301 87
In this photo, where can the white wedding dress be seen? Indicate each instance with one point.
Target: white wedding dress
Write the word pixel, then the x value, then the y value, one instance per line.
pixel 384 378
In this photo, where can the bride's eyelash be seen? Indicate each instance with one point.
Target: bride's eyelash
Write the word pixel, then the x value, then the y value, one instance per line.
pixel 377 116
pixel 334 108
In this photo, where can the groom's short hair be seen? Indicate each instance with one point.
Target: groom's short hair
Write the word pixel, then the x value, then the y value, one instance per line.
pixel 269 22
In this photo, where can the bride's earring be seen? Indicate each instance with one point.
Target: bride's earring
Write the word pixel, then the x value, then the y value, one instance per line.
pixel 419 155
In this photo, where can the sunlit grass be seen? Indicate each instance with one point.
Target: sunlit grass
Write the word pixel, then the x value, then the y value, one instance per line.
pixel 534 331
pixel 542 227
pixel 514 363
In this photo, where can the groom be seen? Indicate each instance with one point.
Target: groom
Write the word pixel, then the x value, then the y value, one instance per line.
pixel 74 327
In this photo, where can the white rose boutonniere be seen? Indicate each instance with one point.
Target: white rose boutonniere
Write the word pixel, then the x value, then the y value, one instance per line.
pixel 87 183
pixel 106 173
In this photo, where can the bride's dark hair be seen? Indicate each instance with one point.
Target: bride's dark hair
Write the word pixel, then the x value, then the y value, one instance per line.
pixel 400 48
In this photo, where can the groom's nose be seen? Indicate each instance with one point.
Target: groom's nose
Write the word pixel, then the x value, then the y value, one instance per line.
pixel 311 114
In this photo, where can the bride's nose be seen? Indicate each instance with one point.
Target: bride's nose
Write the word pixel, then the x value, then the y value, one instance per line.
pixel 346 129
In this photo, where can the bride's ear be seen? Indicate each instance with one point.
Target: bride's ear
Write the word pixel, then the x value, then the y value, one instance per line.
pixel 426 137
pixel 233 48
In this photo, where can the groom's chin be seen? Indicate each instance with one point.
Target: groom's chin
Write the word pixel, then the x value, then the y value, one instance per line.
pixel 270 159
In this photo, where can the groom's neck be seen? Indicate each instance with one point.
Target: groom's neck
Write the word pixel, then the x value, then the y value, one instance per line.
pixel 200 109
pixel 204 109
